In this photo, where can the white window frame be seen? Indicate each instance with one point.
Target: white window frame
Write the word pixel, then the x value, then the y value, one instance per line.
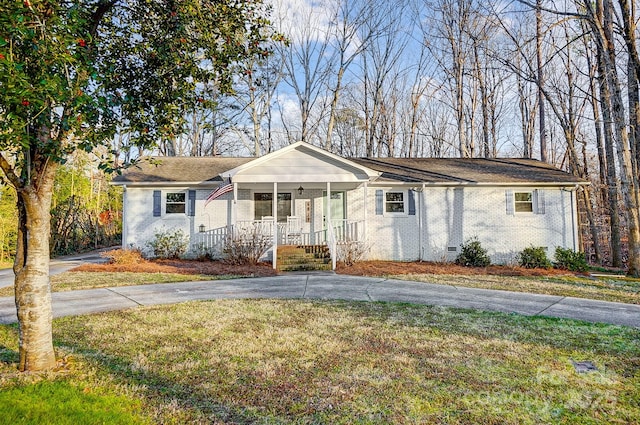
pixel 531 201
pixel 167 202
pixel 385 202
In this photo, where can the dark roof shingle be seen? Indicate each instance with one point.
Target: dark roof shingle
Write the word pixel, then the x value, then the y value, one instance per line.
pixel 467 170
pixel 179 169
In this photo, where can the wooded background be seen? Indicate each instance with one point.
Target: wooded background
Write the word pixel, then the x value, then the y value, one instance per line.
pixel 556 81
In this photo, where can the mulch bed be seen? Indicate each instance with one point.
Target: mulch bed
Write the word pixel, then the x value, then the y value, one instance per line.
pixel 386 268
pixel 362 268
pixel 211 268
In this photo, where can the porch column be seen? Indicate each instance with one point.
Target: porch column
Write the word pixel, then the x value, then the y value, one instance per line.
pixel 330 243
pixel 274 213
pixel 365 202
pixel 328 204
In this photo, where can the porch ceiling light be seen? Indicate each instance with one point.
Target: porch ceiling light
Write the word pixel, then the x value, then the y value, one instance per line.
pixel 300 190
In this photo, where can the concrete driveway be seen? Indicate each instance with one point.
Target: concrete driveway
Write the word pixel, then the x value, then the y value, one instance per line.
pixel 335 287
pixel 58 265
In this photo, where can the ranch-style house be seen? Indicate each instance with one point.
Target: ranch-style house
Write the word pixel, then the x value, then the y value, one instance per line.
pixel 401 209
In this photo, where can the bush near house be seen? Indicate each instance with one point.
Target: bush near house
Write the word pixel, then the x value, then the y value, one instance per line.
pixel 534 257
pixel 569 259
pixel 169 244
pixel 246 247
pixel 473 254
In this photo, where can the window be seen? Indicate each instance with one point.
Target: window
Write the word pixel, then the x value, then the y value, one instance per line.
pixel 175 203
pixel 263 205
pixel 394 202
pixel 523 201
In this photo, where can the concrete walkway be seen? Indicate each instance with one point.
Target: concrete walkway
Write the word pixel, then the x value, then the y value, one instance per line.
pixel 334 287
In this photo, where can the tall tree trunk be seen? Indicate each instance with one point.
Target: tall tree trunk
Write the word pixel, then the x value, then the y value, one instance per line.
pixel 611 176
pixel 628 178
pixel 541 116
pixel 31 267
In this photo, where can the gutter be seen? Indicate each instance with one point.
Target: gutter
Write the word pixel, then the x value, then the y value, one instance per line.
pixel 481 184
pixel 205 184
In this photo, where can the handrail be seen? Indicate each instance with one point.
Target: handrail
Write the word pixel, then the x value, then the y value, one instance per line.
pixel 332 244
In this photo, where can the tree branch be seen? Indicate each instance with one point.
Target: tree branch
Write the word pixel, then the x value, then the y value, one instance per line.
pixel 9 172
pixel 96 17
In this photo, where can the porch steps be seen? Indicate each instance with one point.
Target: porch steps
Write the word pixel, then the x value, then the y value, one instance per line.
pixel 303 258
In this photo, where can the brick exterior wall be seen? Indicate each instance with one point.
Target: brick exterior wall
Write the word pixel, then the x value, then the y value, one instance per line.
pixel 447 217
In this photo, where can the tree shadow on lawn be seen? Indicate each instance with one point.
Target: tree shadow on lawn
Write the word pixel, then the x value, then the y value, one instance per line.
pixel 163 393
pixel 620 344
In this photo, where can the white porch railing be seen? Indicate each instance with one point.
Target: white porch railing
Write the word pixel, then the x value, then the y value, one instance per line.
pixel 212 241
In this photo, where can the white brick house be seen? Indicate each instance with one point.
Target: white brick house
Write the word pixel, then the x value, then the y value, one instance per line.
pixel 398 208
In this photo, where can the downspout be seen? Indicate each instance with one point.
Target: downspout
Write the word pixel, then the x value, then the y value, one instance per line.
pixel 574 223
pixel 274 213
pixel 421 205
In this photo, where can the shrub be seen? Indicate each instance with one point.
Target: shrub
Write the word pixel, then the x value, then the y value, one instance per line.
pixel 569 259
pixel 123 257
pixel 534 257
pixel 350 252
pixel 169 244
pixel 473 254
pixel 246 246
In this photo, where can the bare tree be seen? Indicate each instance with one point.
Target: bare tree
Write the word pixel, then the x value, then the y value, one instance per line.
pixel 308 61
pixel 352 30
pixel 259 79
pixel 381 66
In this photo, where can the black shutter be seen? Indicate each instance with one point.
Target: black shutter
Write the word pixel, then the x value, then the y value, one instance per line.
pixel 191 211
pixel 157 203
pixel 412 202
pixel 379 202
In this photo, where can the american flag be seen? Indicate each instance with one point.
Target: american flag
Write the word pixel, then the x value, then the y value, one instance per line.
pixel 225 187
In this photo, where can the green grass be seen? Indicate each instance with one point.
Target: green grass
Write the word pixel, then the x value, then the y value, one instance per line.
pixel 69 281
pixel 609 288
pixel 303 362
pixel 60 402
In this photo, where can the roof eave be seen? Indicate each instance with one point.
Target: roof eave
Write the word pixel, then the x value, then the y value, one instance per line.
pixel 484 184
pixel 209 183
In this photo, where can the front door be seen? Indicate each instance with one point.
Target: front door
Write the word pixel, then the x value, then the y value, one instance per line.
pixel 338 211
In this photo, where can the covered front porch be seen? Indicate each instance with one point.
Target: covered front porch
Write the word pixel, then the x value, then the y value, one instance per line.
pixel 299 217
pixel 299 195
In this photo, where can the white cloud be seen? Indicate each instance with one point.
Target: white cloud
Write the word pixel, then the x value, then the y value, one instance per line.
pixel 303 19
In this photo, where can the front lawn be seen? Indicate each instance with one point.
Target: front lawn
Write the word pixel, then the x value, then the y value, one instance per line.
pixel 617 288
pixel 292 361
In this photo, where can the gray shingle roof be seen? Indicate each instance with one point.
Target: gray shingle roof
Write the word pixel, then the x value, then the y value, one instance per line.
pixel 179 170
pixel 404 170
pixel 467 170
